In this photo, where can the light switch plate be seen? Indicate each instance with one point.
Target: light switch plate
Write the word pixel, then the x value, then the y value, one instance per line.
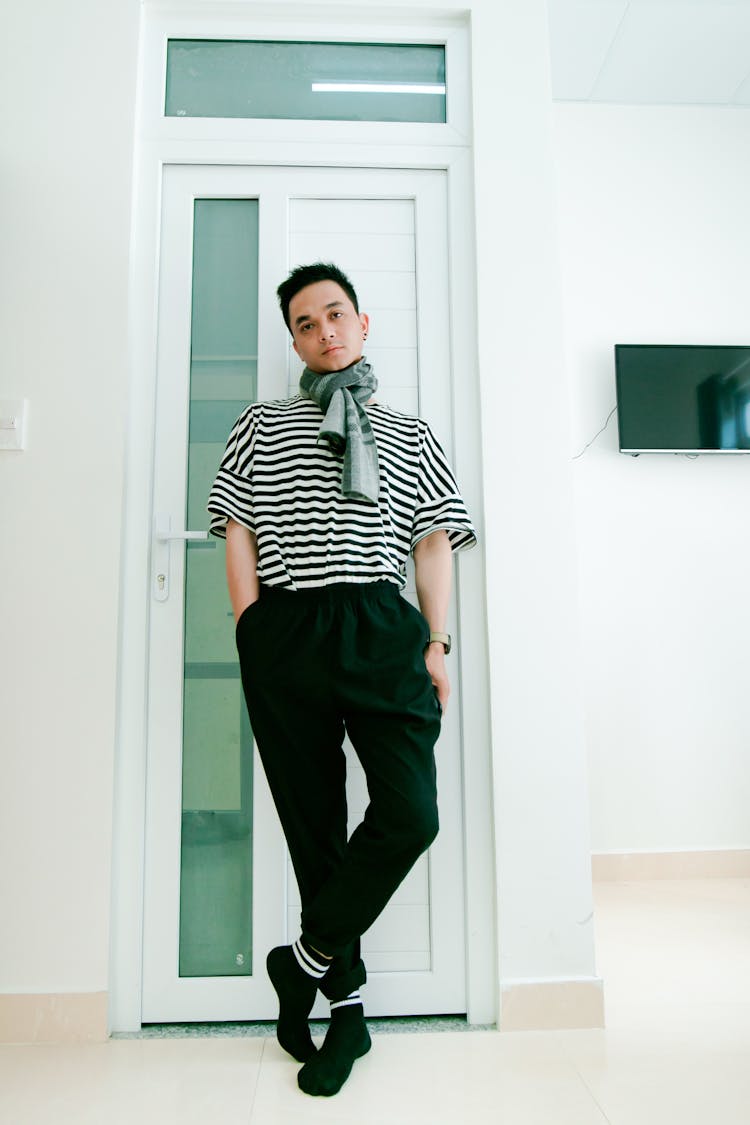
pixel 13 418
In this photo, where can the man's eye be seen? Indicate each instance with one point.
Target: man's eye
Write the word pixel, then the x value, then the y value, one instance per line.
pixel 305 327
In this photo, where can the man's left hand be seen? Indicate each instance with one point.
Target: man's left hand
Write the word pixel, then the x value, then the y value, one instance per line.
pixel 434 658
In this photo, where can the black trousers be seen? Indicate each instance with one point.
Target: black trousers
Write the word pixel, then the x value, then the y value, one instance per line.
pixel 315 664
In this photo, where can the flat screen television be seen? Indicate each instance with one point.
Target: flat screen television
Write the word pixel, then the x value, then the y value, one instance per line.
pixel 678 398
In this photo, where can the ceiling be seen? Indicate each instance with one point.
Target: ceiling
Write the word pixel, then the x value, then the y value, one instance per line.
pixel 651 52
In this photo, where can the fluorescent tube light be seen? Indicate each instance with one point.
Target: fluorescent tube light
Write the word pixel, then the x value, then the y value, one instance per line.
pixel 376 88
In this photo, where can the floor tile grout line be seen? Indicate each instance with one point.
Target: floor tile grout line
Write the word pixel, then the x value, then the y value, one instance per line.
pixel 257 1081
pixel 591 1093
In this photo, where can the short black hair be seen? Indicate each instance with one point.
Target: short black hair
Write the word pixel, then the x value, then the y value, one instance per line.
pixel 302 276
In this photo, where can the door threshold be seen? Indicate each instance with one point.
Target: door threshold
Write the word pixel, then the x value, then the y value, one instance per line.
pixel 402 1025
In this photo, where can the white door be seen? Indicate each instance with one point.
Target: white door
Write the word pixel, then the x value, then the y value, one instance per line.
pixel 219 891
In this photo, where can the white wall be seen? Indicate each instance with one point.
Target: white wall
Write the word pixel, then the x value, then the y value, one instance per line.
pixel 655 238
pixel 541 800
pixel 68 73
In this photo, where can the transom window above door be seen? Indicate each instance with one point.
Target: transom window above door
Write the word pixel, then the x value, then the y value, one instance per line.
pixel 275 79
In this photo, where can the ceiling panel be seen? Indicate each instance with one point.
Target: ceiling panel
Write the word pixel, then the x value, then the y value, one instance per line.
pixel 742 97
pixel 581 32
pixel 677 53
pixel 651 51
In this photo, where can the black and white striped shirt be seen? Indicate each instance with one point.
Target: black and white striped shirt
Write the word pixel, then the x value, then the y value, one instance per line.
pixel 278 482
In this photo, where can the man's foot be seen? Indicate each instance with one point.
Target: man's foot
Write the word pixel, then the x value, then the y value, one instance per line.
pixel 296 991
pixel 347 1039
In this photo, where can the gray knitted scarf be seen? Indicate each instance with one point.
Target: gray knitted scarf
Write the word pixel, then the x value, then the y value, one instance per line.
pixel 342 395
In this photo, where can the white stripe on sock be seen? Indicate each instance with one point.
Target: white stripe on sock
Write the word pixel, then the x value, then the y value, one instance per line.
pixel 352 998
pixel 308 963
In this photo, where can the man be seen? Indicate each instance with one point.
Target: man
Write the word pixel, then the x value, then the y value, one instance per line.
pixel 322 497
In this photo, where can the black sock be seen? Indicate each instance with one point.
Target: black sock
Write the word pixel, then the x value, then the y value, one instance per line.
pixel 294 973
pixel 347 1039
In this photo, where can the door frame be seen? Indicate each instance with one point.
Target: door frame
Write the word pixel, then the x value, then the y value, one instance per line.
pixel 324 144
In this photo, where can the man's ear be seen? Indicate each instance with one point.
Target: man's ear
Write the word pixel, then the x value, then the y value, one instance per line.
pixel 294 345
pixel 364 320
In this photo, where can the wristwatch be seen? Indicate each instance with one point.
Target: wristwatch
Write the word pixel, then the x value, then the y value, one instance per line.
pixel 443 638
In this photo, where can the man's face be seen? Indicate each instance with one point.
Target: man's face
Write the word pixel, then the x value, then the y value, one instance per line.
pixel 327 330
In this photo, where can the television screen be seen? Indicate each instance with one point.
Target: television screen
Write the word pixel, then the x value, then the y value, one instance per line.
pixel 675 398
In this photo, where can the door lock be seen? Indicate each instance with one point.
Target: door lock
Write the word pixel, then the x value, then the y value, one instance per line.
pixel 163 536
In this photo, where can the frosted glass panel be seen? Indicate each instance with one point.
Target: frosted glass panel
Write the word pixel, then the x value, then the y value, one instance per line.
pixel 308 81
pixel 217 781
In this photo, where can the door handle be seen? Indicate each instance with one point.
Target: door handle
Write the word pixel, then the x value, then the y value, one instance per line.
pixel 166 536
pixel 163 536
pixel 163 531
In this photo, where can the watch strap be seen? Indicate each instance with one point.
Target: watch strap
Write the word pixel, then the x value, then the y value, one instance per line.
pixel 441 638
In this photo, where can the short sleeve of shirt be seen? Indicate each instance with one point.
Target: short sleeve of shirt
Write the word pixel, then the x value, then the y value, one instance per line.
pixel 231 496
pixel 439 503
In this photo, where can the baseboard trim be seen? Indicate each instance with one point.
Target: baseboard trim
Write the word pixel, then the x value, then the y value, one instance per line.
pixel 551 1005
pixel 51 1017
pixel 625 867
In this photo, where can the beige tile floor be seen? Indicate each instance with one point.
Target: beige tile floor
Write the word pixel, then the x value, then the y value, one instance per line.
pixel 675 957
